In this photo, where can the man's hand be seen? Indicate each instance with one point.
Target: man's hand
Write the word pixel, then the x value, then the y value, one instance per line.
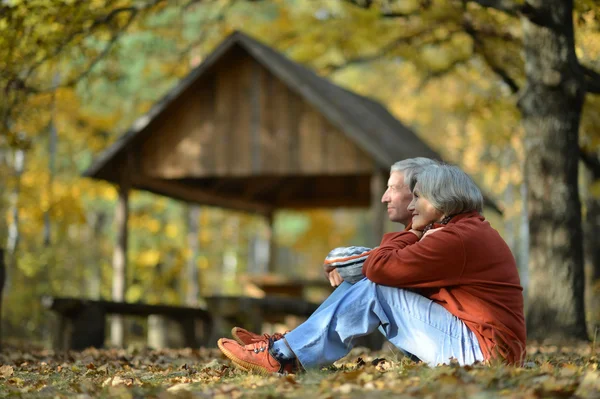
pixel 333 275
pixel 431 232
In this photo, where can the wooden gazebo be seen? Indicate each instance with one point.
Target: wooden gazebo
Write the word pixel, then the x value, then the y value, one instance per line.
pixel 250 130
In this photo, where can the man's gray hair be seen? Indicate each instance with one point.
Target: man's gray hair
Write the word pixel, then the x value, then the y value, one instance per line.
pixel 449 189
pixel 411 167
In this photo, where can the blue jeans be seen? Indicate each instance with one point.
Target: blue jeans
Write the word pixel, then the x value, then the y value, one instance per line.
pixel 410 321
pixel 337 294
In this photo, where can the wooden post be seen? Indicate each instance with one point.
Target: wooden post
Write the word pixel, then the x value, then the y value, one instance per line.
pixel 272 265
pixel 377 209
pixel 119 284
pixel 191 282
pixel 2 279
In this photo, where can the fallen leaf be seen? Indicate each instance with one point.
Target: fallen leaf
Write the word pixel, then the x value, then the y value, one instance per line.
pixel 6 371
pixel 179 387
pixel 118 380
pixel 103 368
pixel 15 381
pixel 590 385
pixel 291 379
pixel 345 389
pixel 569 370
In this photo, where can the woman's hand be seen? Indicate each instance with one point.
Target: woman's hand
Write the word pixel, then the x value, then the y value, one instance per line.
pixel 431 231
pixel 332 275
pixel 418 233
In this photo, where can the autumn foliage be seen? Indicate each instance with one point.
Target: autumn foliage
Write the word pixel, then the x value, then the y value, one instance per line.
pixel 550 371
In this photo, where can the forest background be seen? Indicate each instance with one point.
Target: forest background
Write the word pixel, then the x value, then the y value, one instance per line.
pixel 77 74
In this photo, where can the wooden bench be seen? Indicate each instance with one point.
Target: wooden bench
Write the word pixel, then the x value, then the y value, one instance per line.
pixel 251 313
pixel 273 284
pixel 82 321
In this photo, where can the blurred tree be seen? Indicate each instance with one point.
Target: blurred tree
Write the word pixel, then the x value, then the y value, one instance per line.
pixel 450 69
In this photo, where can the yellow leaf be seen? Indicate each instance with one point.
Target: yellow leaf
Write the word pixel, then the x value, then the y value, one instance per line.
pixel 148 258
pixel 6 371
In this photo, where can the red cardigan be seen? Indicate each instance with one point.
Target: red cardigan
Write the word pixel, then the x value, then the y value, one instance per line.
pixel 468 269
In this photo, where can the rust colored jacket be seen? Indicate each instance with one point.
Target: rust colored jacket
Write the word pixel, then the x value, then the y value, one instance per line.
pixel 468 269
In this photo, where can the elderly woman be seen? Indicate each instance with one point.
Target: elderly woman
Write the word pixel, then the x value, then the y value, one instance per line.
pixel 446 289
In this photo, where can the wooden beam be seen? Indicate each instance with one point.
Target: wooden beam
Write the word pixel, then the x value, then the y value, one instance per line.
pixel 190 194
pixel 308 203
pixel 263 185
pixel 288 191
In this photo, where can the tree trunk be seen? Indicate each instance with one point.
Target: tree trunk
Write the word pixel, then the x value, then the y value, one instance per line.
pixel 551 106
pixel 592 255
pixel 13 227
pixel 52 147
pixel 523 258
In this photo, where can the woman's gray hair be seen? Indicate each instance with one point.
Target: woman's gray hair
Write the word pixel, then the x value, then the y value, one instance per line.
pixel 449 189
pixel 411 167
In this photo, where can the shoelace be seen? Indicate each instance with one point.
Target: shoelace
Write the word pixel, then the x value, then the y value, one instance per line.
pixel 276 336
pixel 262 345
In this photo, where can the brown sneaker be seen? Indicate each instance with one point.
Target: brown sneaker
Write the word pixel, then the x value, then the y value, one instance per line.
pixel 256 357
pixel 245 337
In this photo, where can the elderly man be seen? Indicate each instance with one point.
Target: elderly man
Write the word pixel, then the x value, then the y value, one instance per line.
pixel 397 196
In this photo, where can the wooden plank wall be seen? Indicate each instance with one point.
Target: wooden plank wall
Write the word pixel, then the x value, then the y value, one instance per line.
pixel 240 120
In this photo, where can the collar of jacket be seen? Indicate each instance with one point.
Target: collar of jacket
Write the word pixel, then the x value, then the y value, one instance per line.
pixel 459 217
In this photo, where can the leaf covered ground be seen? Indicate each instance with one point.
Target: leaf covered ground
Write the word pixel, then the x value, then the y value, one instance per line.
pixel 550 371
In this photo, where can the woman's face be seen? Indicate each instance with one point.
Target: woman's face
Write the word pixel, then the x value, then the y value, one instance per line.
pixel 423 213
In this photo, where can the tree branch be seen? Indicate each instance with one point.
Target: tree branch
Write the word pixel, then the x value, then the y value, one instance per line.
pixel 442 72
pixel 480 49
pixel 383 51
pixel 100 21
pixel 507 6
pixel 592 79
pixel 115 36
pixel 591 161
pixel 366 4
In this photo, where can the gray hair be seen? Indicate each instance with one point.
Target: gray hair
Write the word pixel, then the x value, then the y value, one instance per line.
pixel 412 167
pixel 449 189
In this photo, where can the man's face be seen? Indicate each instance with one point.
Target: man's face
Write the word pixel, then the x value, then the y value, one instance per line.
pixel 397 197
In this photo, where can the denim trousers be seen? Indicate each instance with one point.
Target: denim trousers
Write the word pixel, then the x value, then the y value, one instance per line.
pixel 411 322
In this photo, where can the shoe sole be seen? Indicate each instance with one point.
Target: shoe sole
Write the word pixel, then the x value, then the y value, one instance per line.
pixel 243 364
pixel 225 352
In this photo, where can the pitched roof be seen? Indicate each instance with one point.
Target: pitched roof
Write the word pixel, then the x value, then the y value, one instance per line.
pixel 365 121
